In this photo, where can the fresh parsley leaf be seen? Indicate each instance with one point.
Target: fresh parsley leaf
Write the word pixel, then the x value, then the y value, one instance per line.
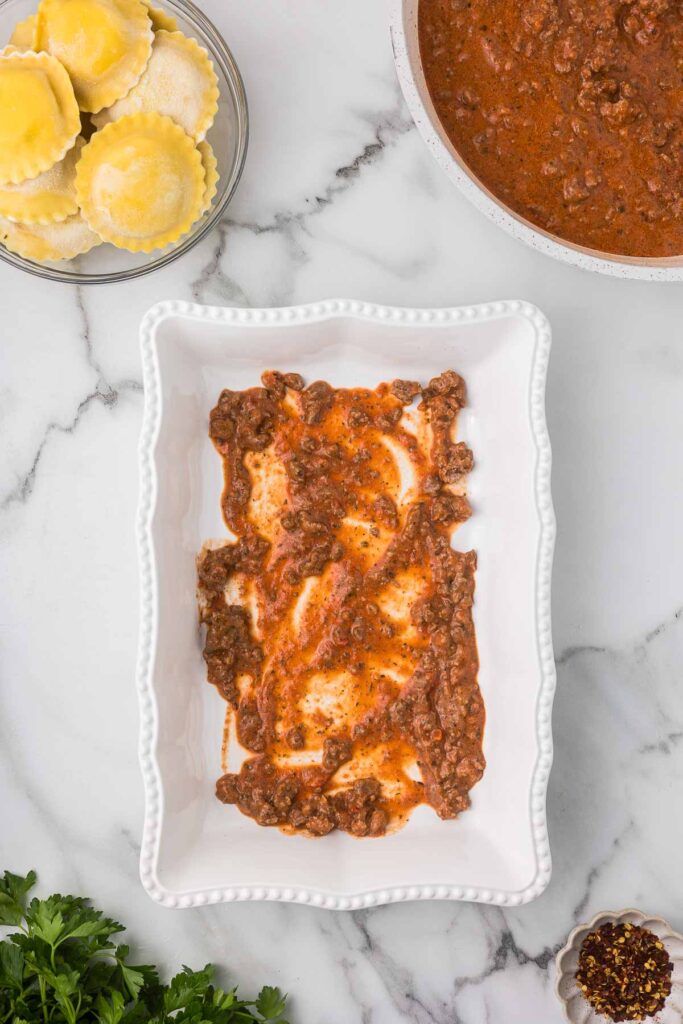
pixel 271 1003
pixel 36 953
pixel 101 975
pixel 64 967
pixel 68 917
pixel 18 886
pixel 223 1000
pixel 11 966
pixel 134 978
pixel 136 1013
pixel 185 986
pixel 64 983
pixel 13 891
pixel 110 1011
pixel 148 973
pixel 46 921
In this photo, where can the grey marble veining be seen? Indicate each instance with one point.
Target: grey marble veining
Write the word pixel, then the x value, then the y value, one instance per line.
pixel 340 198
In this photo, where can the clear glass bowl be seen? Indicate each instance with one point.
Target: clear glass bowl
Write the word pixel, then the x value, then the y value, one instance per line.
pixel 228 136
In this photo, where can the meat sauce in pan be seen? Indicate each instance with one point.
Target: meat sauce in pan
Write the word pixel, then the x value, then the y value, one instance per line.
pixel 569 111
pixel 339 621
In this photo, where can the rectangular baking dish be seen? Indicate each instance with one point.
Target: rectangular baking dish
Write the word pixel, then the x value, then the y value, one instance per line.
pixel 197 851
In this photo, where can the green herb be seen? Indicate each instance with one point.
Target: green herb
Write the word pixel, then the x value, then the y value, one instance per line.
pixel 64 966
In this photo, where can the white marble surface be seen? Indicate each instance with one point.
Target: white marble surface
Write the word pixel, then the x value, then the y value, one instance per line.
pixel 340 198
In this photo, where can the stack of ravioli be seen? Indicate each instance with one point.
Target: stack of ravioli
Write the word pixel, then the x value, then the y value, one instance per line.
pixel 104 109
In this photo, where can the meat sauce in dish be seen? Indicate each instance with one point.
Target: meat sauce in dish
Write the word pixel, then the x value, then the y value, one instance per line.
pixel 339 620
pixel 569 111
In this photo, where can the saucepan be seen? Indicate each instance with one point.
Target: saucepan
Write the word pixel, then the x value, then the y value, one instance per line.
pixel 404 36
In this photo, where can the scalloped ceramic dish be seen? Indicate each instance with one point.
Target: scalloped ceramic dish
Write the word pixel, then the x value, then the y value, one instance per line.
pixel 194 849
pixel 576 1009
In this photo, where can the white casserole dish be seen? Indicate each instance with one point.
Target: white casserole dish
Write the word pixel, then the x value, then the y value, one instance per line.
pixel 194 849
pixel 405 42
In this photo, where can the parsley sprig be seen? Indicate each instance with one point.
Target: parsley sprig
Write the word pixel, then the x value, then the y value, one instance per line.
pixel 64 966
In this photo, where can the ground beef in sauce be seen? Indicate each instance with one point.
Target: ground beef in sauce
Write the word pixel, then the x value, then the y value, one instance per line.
pixel 402 698
pixel 569 111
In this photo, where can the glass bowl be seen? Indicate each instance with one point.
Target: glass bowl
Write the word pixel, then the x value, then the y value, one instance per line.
pixel 228 136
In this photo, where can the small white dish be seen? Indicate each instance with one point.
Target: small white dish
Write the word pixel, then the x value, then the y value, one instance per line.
pixel 405 42
pixel 577 1010
pixel 194 849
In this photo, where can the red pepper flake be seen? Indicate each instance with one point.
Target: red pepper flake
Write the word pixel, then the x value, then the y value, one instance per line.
pixel 624 972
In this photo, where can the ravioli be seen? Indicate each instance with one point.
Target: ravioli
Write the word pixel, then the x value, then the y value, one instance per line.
pixel 103 44
pixel 140 182
pixel 161 19
pixel 179 81
pixel 24 35
pixel 58 241
pixel 211 175
pixel 39 118
pixel 49 197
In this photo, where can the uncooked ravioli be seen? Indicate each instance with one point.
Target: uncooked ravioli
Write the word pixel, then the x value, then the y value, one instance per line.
pixel 49 197
pixel 24 35
pixel 103 44
pixel 161 19
pixel 39 118
pixel 140 182
pixel 211 175
pixel 61 240
pixel 179 81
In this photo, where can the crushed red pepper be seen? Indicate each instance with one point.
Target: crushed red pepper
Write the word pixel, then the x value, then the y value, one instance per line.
pixel 624 972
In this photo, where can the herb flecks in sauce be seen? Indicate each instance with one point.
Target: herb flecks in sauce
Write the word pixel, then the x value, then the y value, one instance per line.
pixel 339 623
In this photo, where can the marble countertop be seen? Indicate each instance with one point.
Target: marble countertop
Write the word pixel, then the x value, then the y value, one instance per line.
pixel 341 198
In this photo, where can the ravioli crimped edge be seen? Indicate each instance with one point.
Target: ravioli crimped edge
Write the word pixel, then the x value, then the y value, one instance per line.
pixel 102 90
pixel 210 95
pixel 27 241
pixel 17 167
pixel 91 158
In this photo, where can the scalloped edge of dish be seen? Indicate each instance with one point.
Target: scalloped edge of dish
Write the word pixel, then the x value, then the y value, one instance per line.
pixel 148 599
pixel 427 125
